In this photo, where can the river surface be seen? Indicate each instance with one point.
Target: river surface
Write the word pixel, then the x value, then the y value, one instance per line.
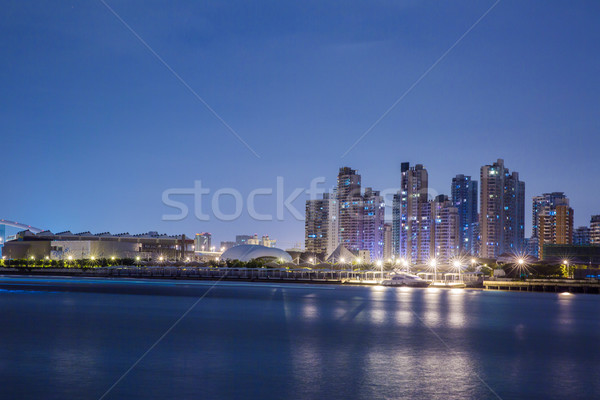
pixel 75 338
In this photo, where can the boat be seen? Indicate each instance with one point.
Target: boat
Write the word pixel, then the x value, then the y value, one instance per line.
pixel 405 279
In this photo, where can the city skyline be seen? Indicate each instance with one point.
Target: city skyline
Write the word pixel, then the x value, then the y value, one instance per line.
pixel 96 128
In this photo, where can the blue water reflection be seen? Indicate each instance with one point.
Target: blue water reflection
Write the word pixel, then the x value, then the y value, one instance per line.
pixel 65 338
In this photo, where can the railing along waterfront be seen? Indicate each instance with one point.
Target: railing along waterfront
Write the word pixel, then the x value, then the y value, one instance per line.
pixel 280 274
pixel 545 285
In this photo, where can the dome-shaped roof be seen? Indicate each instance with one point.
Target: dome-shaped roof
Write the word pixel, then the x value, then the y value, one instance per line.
pixel 247 252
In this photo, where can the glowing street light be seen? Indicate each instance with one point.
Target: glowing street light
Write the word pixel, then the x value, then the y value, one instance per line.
pixel 47 258
pixel 433 263
pixel 70 258
pixel 566 262
pixel 457 265
pixel 342 260
pixel 161 258
pixel 92 258
pixel 113 258
pixel 380 265
pixel 311 260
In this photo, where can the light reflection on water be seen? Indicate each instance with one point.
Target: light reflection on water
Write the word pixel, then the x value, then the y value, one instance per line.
pixel 271 343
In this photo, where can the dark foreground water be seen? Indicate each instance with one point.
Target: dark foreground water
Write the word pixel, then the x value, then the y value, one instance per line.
pixel 72 338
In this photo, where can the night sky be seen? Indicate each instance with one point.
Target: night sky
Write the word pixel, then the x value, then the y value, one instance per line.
pixel 94 127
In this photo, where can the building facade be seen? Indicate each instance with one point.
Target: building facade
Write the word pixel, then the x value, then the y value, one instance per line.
pixel 446 230
pixel 203 241
pixel 320 225
pixel 502 216
pixel 413 207
pixel 595 230
pixel 464 198
pixel 581 236
pixel 555 226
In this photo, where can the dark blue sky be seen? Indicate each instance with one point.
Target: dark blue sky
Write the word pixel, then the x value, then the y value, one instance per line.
pixel 94 128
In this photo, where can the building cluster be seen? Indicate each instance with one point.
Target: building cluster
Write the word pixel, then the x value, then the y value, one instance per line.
pixel 265 240
pixel 483 218
pixel 349 216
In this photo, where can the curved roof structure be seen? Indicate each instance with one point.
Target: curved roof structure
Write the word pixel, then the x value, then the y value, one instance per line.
pixel 19 225
pixel 247 252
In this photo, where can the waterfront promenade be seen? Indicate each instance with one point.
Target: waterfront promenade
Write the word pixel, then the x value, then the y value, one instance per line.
pixel 370 277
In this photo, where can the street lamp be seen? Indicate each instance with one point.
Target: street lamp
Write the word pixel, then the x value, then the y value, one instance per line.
pixel 456 264
pixel 311 260
pixel 433 263
pixel 566 262
pixel 405 264
pixel 380 265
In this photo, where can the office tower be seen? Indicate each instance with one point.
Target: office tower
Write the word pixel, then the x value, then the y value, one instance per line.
pixel 464 198
pixel 446 228
pixel 413 197
pixel 581 236
pixel 555 226
pixel 321 228
pixel 387 241
pixel 202 241
pixel 595 230
pixel 502 215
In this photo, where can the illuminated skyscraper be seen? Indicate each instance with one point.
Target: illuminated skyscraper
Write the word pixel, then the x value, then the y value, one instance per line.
pixel 502 215
pixel 464 198
pixel 412 198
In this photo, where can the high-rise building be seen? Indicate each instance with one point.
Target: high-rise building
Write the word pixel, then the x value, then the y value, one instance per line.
pixel 423 243
pixel 387 241
pixel 202 241
pixel 321 227
pixel 446 228
pixel 555 226
pixel 581 236
pixel 350 204
pixel 539 205
pixel 357 219
pixel 475 238
pixel 373 217
pixel 464 198
pixel 396 223
pixel 595 230
pixel 502 216
pixel 413 197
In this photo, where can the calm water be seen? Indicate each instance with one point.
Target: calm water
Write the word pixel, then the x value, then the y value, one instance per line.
pixel 71 338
